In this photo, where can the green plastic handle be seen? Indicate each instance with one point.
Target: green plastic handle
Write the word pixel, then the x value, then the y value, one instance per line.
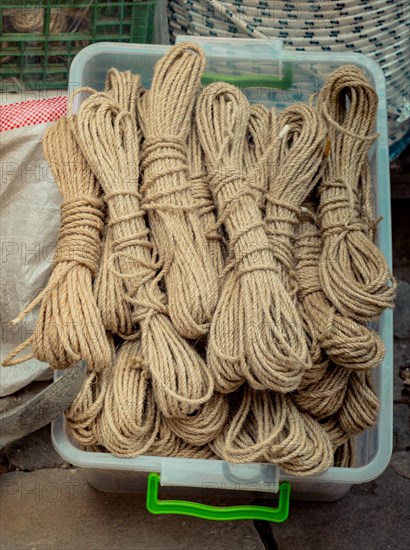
pixel 253 80
pixel 225 513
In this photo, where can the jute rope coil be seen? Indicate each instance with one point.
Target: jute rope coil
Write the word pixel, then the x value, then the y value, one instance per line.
pixel 31 20
pixel 109 140
pixel 353 272
pixel 169 444
pixel 347 342
pixel 130 419
pixel 256 333
pixel 360 405
pixel 190 277
pixel 266 426
pixel 84 413
pixel 295 170
pixel 345 454
pixel 69 325
pixel 110 290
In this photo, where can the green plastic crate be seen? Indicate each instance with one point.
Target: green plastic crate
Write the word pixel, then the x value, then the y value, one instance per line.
pixel 41 59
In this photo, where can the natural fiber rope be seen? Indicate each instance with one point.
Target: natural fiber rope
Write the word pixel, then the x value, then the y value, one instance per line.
pixel 84 412
pixel 130 419
pixel 257 154
pixel 360 405
pixel 267 426
pixel 169 444
pixel 205 202
pixel 324 397
pixel 125 88
pixel 110 290
pixel 346 342
pixel 345 454
pixel 109 140
pixel 256 333
pixel 69 326
pixel 353 272
pixel 31 20
pixel 295 170
pixel 190 277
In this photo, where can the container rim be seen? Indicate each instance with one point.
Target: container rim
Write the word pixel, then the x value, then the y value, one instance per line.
pixel 381 459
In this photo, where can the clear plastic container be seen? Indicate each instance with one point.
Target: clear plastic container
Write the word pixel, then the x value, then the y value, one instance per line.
pixel 297 76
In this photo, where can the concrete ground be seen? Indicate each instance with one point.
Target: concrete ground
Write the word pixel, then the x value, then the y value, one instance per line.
pixel 45 503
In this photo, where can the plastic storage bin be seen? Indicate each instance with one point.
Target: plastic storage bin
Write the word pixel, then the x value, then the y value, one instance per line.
pixel 259 64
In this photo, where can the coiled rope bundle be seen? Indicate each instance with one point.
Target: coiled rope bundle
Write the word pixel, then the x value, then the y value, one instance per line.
pixel 266 426
pixel 69 325
pixel 110 291
pixel 190 278
pixel 256 334
pixel 353 272
pixel 109 140
pixel 294 172
pixel 347 342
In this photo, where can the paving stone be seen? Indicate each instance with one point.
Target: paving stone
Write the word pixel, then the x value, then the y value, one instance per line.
pixel 19 398
pixel 401 427
pixel 373 515
pixel 402 310
pixel 58 510
pixel 34 452
pixel 401 385
pixel 401 232
pixel 400 463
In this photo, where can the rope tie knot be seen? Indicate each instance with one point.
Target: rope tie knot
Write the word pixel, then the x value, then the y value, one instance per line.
pixel 229 189
pixel 79 241
pixel 281 220
pixel 165 147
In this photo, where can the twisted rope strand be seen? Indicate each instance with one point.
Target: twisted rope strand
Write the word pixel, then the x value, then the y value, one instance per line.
pixel 130 420
pixel 110 291
pixel 203 197
pixel 257 154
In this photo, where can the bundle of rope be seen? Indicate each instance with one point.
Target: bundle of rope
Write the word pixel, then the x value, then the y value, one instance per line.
pixel 69 325
pixel 266 426
pixel 347 342
pixel 110 291
pixel 174 215
pixel 353 272
pixel 256 332
pixel 324 397
pixel 109 140
pixel 130 419
pixel 84 413
pixel 295 170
